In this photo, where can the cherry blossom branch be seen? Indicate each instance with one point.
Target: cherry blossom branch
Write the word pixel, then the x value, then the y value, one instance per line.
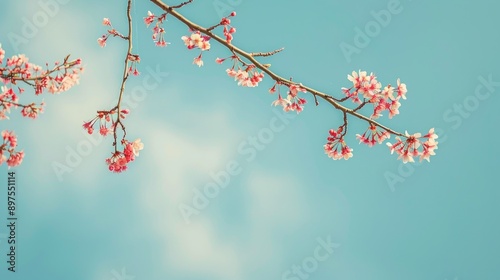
pixel 115 116
pixel 18 69
pixel 250 57
pixel 16 73
pixel 125 76
pixel 367 85
pixel 247 74
pixel 29 110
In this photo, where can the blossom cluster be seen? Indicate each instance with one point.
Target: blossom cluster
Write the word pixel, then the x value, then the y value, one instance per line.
pixel 8 145
pixel 104 38
pixel 134 59
pixel 292 102
pixel 336 148
pixel 371 91
pixel 228 29
pixel 107 125
pixel 158 30
pixel 247 75
pixel 373 136
pixel 196 40
pixel 119 159
pixel 414 146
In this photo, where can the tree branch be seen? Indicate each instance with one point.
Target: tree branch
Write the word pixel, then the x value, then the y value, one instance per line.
pixel 251 58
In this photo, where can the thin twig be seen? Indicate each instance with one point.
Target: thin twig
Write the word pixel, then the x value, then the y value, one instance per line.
pixel 125 76
pixel 267 53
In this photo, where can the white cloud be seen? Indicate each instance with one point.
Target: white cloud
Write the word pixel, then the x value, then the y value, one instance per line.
pixel 179 157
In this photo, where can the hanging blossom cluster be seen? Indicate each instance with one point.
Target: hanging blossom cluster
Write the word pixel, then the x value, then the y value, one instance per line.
pixel 16 72
pixel 373 136
pixel 247 75
pixel 228 29
pixel 119 159
pixel 134 59
pixel 158 30
pixel 8 147
pixel 108 121
pixel 292 102
pixel 336 148
pixel 107 126
pixel 415 146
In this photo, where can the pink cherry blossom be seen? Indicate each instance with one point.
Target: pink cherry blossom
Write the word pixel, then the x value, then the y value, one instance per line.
pixel 281 102
pixel 8 145
pixel 2 54
pixel 356 78
pixel 149 19
pixel 410 148
pixel 295 89
pixel 204 45
pixel 9 138
pixel 119 159
pixel 231 72
pixel 161 43
pixel 106 21
pixel 15 159
pixel 104 130
pixel 372 92
pixel 196 40
pixel 137 145
pixel 388 92
pixel 198 61
pixel 336 148
pixel 102 41
pixel 394 108
pixel 401 89
pixel 372 136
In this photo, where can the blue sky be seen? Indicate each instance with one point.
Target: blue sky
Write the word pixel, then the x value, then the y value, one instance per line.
pixel 434 220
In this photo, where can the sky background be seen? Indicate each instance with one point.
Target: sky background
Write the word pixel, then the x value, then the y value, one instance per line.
pixel 390 221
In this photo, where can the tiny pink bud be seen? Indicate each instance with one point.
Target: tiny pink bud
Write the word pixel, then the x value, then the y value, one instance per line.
pixel 233 14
